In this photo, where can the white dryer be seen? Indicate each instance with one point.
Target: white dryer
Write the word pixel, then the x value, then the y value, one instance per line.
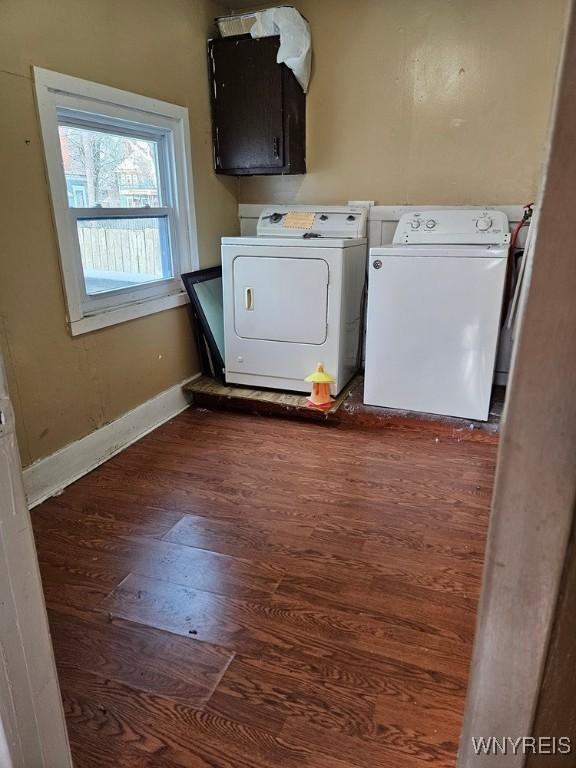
pixel 293 296
pixel 434 307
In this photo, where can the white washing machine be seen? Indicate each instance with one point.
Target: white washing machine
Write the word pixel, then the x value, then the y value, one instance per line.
pixel 434 307
pixel 293 296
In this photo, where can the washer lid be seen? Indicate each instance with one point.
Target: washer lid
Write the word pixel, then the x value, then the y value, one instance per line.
pixel 441 251
pixel 460 226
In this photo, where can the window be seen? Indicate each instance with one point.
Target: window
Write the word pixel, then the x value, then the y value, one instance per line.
pixel 121 184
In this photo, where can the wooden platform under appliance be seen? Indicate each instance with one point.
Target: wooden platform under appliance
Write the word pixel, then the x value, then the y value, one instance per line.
pixel 348 408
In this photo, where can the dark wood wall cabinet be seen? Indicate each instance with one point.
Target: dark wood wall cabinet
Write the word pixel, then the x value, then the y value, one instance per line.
pixel 258 109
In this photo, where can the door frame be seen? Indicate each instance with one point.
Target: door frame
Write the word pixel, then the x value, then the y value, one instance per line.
pixel 535 488
pixel 32 725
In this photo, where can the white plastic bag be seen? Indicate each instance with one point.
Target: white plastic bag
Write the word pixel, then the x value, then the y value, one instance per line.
pixel 295 39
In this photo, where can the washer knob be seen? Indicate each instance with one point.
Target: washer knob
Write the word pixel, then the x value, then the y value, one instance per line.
pixel 430 224
pixel 415 223
pixel 483 223
pixel 323 217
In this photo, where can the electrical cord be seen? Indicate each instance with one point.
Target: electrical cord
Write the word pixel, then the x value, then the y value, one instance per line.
pixel 511 267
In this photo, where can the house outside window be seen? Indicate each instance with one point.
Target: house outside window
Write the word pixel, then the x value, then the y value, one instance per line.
pixel 121 184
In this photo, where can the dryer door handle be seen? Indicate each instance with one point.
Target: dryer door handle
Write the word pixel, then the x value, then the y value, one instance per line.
pixel 249 299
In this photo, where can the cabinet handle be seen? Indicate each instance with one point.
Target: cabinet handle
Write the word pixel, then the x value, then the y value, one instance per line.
pixel 276 147
pixel 248 299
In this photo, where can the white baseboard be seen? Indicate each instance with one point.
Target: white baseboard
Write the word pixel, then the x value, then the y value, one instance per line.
pixel 50 475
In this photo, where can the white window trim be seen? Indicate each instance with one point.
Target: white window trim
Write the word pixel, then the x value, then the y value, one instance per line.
pixel 55 92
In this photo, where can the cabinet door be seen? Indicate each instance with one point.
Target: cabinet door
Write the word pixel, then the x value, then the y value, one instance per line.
pixel 247 101
pixel 281 299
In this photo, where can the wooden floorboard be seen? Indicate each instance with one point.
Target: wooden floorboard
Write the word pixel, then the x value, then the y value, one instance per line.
pixel 235 591
pixel 141 657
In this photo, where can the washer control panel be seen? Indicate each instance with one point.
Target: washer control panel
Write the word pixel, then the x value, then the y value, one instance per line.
pixel 459 226
pixel 341 221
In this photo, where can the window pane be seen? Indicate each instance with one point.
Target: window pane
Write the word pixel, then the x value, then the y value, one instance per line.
pixel 124 252
pixel 109 170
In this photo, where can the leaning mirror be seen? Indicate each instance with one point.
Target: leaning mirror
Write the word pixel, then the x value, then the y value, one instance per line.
pixel 204 287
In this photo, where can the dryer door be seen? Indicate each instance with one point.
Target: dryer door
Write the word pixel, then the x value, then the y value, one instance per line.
pixel 281 299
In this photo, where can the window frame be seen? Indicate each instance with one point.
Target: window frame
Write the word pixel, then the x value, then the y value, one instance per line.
pixel 63 99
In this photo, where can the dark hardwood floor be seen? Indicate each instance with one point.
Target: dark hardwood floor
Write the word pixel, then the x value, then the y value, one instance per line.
pixel 236 591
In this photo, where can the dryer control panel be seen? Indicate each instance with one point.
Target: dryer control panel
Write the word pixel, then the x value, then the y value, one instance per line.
pixel 309 221
pixel 460 226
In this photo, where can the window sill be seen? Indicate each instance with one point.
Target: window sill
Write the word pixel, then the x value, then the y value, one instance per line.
pixel 127 312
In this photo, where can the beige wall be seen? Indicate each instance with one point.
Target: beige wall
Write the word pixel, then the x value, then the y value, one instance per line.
pixel 424 101
pixel 63 387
